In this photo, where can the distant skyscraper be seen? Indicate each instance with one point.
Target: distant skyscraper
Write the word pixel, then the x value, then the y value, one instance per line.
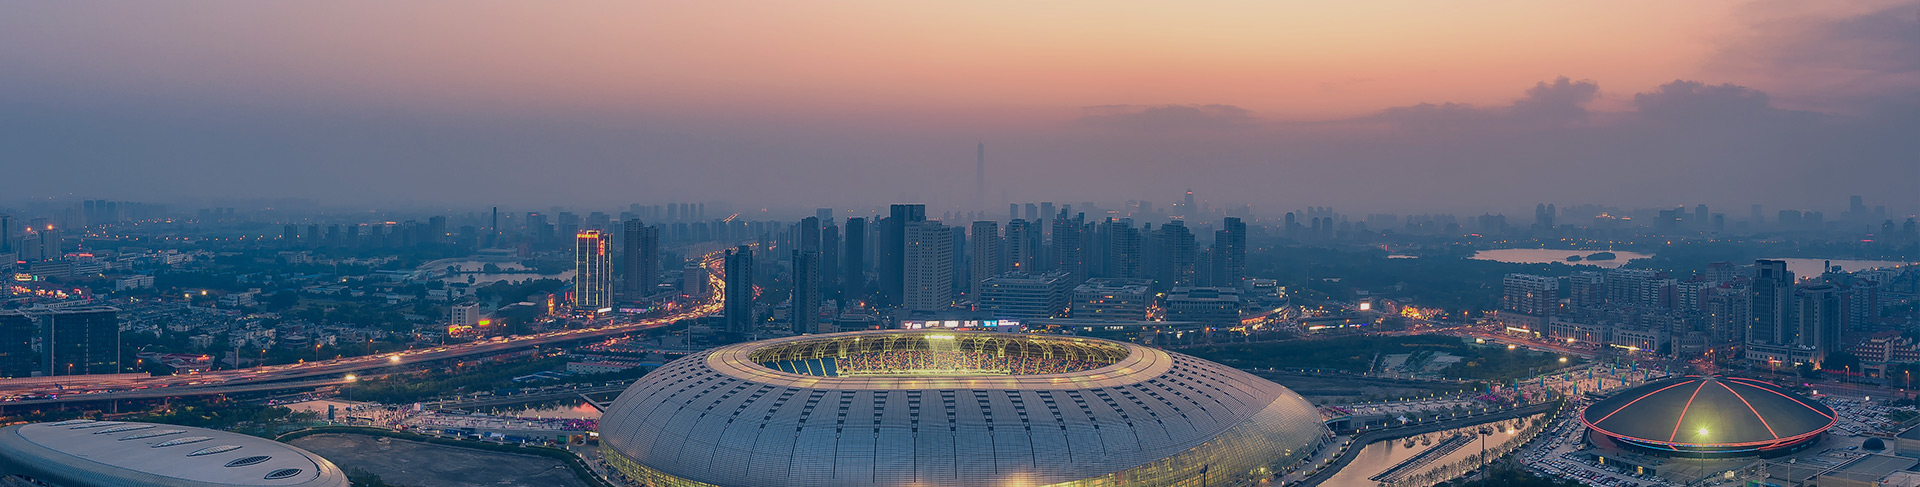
pixel 1124 258
pixel 830 270
pixel 806 291
pixel 984 245
pixel 739 293
pixel 1229 253
pixel 6 234
pixel 1178 255
pixel 853 261
pixel 1817 315
pixel 592 270
pixel 824 214
pixel 640 258
pixel 927 266
pixel 1022 252
pixel 1013 211
pixel 808 235
pixel 980 177
pixel 1069 249
pixel 893 253
pixel 1772 288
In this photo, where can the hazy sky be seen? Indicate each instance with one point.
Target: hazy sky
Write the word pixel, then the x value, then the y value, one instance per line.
pixel 1383 105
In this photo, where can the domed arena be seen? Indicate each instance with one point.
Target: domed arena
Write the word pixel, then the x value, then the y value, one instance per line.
pixel 1714 416
pixel 87 453
pixel 937 408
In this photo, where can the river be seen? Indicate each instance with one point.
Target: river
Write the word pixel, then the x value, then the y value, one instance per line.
pixel 1543 256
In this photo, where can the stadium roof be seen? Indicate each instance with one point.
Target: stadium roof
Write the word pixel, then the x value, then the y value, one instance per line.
pixel 1709 411
pixel 84 453
pixel 721 417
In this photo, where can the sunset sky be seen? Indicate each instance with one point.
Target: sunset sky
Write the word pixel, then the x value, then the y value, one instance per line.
pixel 866 102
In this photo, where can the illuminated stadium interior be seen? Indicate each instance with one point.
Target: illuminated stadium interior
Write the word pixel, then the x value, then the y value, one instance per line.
pixel 937 354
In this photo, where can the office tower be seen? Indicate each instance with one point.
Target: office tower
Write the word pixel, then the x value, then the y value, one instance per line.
pixel 1013 211
pixel 1178 255
pixel 1530 295
pixel 592 270
pixel 1026 295
pixel 1817 315
pixel 824 214
pixel 984 244
pixel 1033 212
pixel 853 261
pixel 1020 247
pixel 493 229
pixel 16 344
pixel 1586 289
pixel 980 176
pixel 927 266
pixel 893 251
pixel 639 258
pixel 739 299
pixel 806 290
pixel 1229 253
pixel 84 340
pixel 1772 291
pixel 6 234
pixel 830 262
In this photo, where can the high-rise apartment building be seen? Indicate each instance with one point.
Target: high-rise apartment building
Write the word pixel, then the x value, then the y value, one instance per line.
pixel 1817 316
pixel 640 258
pixel 853 260
pixel 927 261
pixel 893 251
pixel 1230 253
pixel 592 270
pixel 1530 295
pixel 1022 248
pixel 1178 254
pixel 739 290
pixel 984 245
pixel 806 291
pixel 1069 248
pixel 1772 301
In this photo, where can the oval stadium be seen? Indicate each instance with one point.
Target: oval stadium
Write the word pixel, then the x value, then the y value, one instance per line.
pixel 85 453
pixel 1709 416
pixel 936 408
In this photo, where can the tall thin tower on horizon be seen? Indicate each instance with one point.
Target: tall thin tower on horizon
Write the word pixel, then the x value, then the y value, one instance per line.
pixel 980 177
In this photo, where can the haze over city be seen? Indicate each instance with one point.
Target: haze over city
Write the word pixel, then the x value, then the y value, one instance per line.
pixel 1392 106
